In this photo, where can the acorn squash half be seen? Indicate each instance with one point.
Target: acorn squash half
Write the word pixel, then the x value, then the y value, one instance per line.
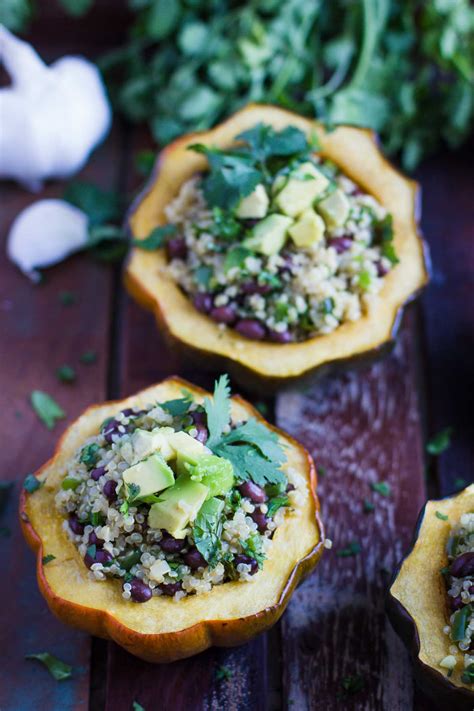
pixel 357 153
pixel 417 602
pixel 162 630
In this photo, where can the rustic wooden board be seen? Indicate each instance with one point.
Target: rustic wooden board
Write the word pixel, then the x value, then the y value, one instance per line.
pixel 361 427
pixel 37 335
pixel 448 307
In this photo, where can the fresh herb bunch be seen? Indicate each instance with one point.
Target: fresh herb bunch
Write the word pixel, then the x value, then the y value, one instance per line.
pixel 403 69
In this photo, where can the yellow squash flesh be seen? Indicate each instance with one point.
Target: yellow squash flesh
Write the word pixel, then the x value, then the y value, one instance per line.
pixel 162 630
pixel 357 153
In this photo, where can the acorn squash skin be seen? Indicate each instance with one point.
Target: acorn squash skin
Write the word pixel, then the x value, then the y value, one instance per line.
pixel 416 603
pixel 260 365
pixel 162 630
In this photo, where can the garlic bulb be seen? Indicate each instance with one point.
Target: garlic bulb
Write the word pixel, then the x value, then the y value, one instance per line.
pixel 45 233
pixel 51 116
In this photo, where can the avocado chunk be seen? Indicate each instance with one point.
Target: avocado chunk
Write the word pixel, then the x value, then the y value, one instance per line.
pixel 334 208
pixel 178 506
pixel 301 189
pixel 150 476
pixel 145 443
pixel 187 450
pixel 269 236
pixel 255 205
pixel 214 472
pixel 308 230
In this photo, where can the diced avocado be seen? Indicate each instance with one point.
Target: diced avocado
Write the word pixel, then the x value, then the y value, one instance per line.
pixel 178 506
pixel 214 472
pixel 334 208
pixel 308 230
pixel 187 450
pixel 301 189
pixel 145 443
pixel 255 205
pixel 151 475
pixel 269 236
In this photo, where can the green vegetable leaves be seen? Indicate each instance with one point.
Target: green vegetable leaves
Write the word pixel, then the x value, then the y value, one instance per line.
pixel 58 669
pixel 381 487
pixel 48 558
pixel 90 455
pixel 156 239
pixel 46 408
pixel 440 442
pixel 31 483
pixel 178 407
pixel 218 410
pixel 207 530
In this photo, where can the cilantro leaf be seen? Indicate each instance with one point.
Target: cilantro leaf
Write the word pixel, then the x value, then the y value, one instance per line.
pixel 46 408
pixel 177 407
pixel 156 239
pixel 249 463
pixel 48 558
pixel 354 548
pixel 58 669
pixel 223 673
pixel 90 455
pixel 218 410
pixel 441 516
pixel 66 374
pixel 100 206
pixel 257 434
pixel 381 487
pixel 31 483
pixel 207 530
pixel 277 503
pixel 88 357
pixel 265 142
pixel 253 547
pixel 137 707
pixel 440 442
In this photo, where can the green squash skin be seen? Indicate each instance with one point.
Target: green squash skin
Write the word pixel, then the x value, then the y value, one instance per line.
pixel 439 688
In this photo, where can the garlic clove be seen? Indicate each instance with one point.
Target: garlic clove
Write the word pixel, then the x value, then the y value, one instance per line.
pixel 52 116
pixel 45 233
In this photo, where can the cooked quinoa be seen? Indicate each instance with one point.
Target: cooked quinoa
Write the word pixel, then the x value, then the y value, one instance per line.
pixel 112 528
pixel 459 577
pixel 326 270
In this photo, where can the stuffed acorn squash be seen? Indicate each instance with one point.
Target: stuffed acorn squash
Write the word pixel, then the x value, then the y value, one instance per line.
pixel 275 248
pixel 431 601
pixel 172 521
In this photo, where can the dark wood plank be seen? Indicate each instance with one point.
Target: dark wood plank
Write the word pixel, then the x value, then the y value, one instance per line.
pixel 361 427
pixel 37 335
pixel 449 309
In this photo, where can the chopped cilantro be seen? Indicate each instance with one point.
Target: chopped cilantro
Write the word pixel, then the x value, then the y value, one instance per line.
pixel 458 629
pixel 58 669
pixel 207 530
pixel 276 503
pixel 70 482
pixel 137 707
pixel 156 239
pixel 252 547
pixel 90 455
pixel 88 357
pixel 459 483
pixel 99 205
pixel 97 518
pixel 468 674
pixel 66 374
pixel 203 275
pixel 441 516
pixel 354 548
pixel 381 487
pixel 440 442
pixel 31 483
pixel 67 298
pixel 223 673
pixel 178 407
pixel 235 258
pixel 91 551
pixel 353 683
pixel 384 230
pixel 369 506
pixel 46 408
pixel 48 558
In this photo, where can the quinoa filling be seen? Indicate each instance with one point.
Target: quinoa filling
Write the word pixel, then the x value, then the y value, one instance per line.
pixel 275 241
pixel 459 578
pixel 174 498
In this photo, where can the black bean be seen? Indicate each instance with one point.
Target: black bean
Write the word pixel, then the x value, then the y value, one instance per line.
pixel 203 302
pixel 253 491
pixel 456 603
pixel 75 525
pixel 94 540
pixel 176 248
pixel 109 490
pixel 250 328
pixel 381 269
pixel 260 519
pixel 97 473
pixel 169 544
pixel 253 287
pixel 99 557
pixel 199 417
pixel 170 588
pixel 140 591
pixel 247 560
pixel 462 566
pixel 223 314
pixel 194 559
pixel 280 336
pixel 341 244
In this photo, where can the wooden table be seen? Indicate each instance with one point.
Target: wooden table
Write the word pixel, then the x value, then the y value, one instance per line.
pixel 363 426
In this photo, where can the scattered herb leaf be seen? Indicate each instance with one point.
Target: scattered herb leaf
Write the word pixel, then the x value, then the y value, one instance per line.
pixel 156 239
pixel 381 487
pixel 441 516
pixel 178 407
pixel 31 483
pixel 67 298
pixel 66 374
pixel 48 558
pixel 88 357
pixel 207 530
pixel 369 506
pixel 137 707
pixel 58 669
pixel 354 548
pixel 440 442
pixel 223 673
pixel 90 455
pixel 46 408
